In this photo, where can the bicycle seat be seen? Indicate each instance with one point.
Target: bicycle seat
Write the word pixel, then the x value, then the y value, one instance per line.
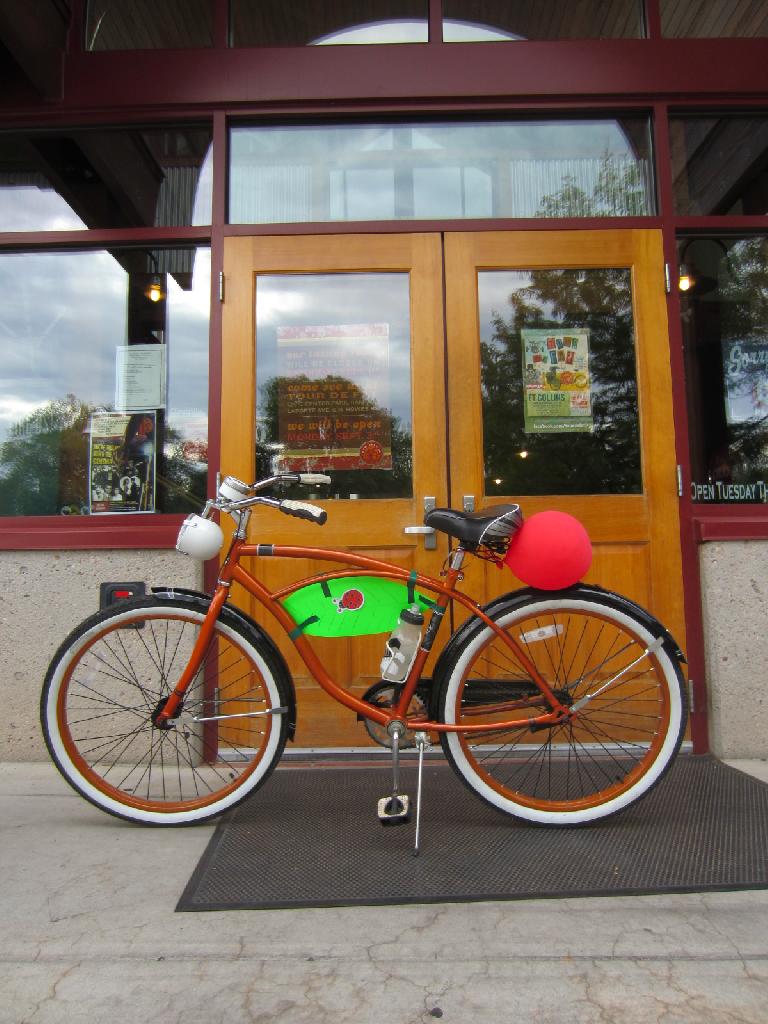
pixel 487 526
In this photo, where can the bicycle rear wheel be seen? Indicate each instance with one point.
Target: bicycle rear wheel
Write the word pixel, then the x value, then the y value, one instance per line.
pixel 115 670
pixel 621 738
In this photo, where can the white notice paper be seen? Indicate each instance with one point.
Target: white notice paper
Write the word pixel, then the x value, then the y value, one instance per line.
pixel 140 377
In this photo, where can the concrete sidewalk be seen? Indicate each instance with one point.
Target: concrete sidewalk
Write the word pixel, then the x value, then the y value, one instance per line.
pixel 88 933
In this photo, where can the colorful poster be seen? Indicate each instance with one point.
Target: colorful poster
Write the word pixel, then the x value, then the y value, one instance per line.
pixel 122 458
pixel 745 369
pixel 557 389
pixel 333 397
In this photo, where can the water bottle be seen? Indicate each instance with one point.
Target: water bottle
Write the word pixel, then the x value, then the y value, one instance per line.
pixel 402 645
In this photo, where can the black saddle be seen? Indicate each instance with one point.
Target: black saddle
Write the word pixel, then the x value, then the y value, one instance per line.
pixel 490 526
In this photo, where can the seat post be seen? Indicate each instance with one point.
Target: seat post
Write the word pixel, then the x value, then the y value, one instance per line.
pixel 457 558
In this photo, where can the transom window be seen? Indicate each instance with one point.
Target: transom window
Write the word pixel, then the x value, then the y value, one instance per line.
pixel 440 170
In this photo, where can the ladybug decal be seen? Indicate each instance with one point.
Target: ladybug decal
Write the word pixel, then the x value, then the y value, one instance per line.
pixel 350 601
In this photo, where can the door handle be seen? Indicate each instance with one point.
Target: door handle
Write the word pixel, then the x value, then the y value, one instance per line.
pixel 430 540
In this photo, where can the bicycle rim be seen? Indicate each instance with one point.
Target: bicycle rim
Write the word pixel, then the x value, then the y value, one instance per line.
pixel 628 712
pixel 106 684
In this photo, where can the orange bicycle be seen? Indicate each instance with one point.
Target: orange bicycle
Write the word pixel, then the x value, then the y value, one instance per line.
pixel 558 707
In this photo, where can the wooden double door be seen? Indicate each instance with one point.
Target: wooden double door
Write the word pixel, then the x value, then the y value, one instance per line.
pixel 459 369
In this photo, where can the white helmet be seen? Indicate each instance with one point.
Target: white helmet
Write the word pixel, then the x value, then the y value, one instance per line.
pixel 200 538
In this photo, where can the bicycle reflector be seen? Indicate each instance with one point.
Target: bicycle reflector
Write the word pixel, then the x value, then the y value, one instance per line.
pixel 550 551
pixel 200 538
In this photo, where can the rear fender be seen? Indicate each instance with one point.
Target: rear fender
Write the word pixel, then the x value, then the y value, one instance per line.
pixel 520 597
pixel 235 616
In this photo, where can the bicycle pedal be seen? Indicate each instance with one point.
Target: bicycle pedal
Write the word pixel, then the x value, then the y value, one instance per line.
pixel 394 810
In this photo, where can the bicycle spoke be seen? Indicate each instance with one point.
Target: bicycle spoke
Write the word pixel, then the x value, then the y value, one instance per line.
pixel 585 759
pixel 115 683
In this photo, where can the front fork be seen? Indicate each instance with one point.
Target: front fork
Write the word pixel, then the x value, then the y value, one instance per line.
pixel 170 707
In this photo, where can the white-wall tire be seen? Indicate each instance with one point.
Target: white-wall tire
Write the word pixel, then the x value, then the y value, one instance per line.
pixel 108 676
pixel 636 725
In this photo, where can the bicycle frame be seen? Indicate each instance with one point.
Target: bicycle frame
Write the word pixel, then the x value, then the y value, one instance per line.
pixel 232 572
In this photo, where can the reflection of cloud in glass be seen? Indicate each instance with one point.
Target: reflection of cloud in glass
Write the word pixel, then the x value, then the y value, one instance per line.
pixel 365 194
pixel 413 31
pixel 470 32
pixel 62 318
pixel 187 339
pixel 404 31
pixel 203 205
pixel 344 298
pixel 494 288
pixel 275 303
pixel 28 208
pixel 378 172
pixel 12 410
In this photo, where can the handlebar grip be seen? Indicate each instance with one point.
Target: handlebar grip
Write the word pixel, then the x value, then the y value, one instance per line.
pixel 314 478
pixel 303 510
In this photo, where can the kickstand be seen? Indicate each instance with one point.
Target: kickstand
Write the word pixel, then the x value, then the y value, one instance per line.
pixel 422 742
pixel 395 809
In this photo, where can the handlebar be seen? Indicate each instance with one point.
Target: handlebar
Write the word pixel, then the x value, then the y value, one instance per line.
pixel 314 478
pixel 303 510
pixel 234 496
pixel 289 478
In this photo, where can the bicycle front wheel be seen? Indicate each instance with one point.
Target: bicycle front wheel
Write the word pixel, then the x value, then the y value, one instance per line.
pixel 114 672
pixel 629 709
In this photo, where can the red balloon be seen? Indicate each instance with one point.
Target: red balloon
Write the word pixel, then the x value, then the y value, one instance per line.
pixel 550 551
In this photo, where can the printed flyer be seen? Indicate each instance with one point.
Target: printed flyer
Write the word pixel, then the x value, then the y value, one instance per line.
pixel 557 392
pixel 140 377
pixel 333 399
pixel 122 458
pixel 745 368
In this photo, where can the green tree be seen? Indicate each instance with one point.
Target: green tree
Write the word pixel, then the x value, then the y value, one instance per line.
pixel 44 464
pixel 607 460
pixel 620 191
pixel 368 482
pixel 743 294
pixel 44 461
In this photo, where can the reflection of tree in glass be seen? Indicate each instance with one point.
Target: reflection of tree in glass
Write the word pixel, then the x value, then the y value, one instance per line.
pixel 603 461
pixel 608 459
pixel 44 461
pixel 44 465
pixel 367 482
pixel 744 320
pixel 620 191
pixel 181 479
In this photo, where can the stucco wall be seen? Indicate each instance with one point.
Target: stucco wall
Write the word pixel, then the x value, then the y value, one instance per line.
pixel 43 595
pixel 735 605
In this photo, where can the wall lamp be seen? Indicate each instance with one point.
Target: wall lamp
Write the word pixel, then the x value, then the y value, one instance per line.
pixel 685 278
pixel 688 280
pixel 154 290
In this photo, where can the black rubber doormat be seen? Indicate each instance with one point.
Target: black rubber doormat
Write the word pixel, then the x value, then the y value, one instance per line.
pixel 310 838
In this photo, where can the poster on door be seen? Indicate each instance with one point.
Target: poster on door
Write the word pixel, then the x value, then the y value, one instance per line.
pixel 121 464
pixel 745 370
pixel 557 388
pixel 333 397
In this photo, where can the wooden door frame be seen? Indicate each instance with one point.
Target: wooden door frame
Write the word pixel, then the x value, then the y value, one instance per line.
pixel 366 526
pixel 417 253
pixel 455 258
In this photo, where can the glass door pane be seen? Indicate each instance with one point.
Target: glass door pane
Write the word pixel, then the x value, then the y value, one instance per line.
pixel 333 380
pixel 559 383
